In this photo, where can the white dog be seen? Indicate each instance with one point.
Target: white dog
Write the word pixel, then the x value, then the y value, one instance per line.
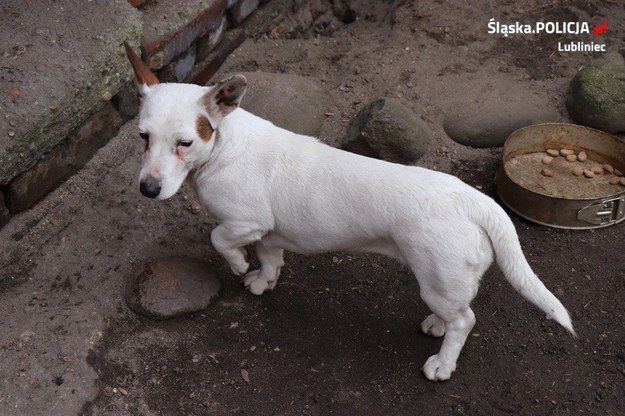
pixel 282 191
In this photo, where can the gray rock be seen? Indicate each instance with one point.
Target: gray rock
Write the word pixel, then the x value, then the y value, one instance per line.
pixel 54 90
pixel 487 118
pixel 293 102
pixel 386 129
pixel 172 287
pixel 597 94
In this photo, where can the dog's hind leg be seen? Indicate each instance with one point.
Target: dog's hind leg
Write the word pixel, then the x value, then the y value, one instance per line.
pixel 448 276
pixel 433 326
pixel 458 325
pixel 271 260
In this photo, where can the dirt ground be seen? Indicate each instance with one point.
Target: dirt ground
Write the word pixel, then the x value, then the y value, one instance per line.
pixel 340 334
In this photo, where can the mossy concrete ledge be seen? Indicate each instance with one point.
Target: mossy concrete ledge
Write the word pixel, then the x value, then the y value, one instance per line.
pixel 62 62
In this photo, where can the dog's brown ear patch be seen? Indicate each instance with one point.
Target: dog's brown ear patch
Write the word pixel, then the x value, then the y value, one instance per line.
pixel 142 73
pixel 226 96
pixel 203 128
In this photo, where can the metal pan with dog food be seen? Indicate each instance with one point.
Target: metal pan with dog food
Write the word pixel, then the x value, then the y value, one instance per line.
pixel 564 176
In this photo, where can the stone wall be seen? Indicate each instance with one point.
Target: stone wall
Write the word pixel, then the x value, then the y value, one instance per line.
pixel 180 40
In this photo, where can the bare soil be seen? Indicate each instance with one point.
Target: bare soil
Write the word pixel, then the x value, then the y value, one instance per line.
pixel 340 333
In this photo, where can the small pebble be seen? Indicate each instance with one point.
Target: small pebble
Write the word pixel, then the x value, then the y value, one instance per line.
pixel 578 171
pixel 553 152
pixel 547 172
pixel 589 173
pixel 597 170
pixel 608 168
pixel 196 208
pixel 547 160
pixel 571 158
pixel 566 152
pixel 617 172
pixel 107 96
pixel 582 156
pixel 615 181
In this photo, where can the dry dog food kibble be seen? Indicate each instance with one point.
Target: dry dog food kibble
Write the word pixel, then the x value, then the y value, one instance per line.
pixel 589 173
pixel 569 173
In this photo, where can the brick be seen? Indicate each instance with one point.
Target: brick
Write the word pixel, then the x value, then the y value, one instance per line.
pixel 242 9
pixel 169 28
pixel 207 43
pixel 63 160
pixel 178 70
pixel 258 23
pixel 137 3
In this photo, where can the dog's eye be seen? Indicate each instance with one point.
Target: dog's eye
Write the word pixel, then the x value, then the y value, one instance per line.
pixel 145 136
pixel 185 143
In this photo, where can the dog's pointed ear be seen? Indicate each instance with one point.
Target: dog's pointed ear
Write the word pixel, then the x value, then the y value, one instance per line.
pixel 145 78
pixel 225 96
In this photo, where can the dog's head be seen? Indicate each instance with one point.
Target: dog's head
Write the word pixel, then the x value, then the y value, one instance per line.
pixel 178 123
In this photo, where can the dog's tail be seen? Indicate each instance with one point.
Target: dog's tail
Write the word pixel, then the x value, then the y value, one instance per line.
pixel 515 267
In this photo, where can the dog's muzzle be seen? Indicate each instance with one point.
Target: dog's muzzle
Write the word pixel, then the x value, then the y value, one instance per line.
pixel 150 188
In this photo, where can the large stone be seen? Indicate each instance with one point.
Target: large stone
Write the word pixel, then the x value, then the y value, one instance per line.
pixel 172 287
pixel 293 102
pixel 597 94
pixel 386 129
pixel 487 117
pixel 63 59
pixel 64 160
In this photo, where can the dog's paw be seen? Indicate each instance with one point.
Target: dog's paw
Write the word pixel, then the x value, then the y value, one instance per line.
pixel 435 370
pixel 256 284
pixel 433 326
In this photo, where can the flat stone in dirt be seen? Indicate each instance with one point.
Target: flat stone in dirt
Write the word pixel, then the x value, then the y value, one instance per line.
pixel 386 129
pixel 488 117
pixel 293 102
pixel 597 94
pixel 172 287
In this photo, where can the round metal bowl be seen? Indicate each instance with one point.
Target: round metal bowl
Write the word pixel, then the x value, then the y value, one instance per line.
pixel 562 200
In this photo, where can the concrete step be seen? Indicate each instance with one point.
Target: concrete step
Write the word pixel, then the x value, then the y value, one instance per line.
pixel 61 62
pixel 63 74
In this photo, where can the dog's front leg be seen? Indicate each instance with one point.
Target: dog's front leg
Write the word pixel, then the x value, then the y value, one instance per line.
pixel 230 239
pixel 265 278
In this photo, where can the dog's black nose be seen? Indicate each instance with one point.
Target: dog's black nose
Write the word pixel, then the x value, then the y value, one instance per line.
pixel 150 189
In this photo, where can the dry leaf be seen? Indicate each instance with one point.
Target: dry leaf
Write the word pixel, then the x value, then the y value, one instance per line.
pixel 14 92
pixel 245 375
